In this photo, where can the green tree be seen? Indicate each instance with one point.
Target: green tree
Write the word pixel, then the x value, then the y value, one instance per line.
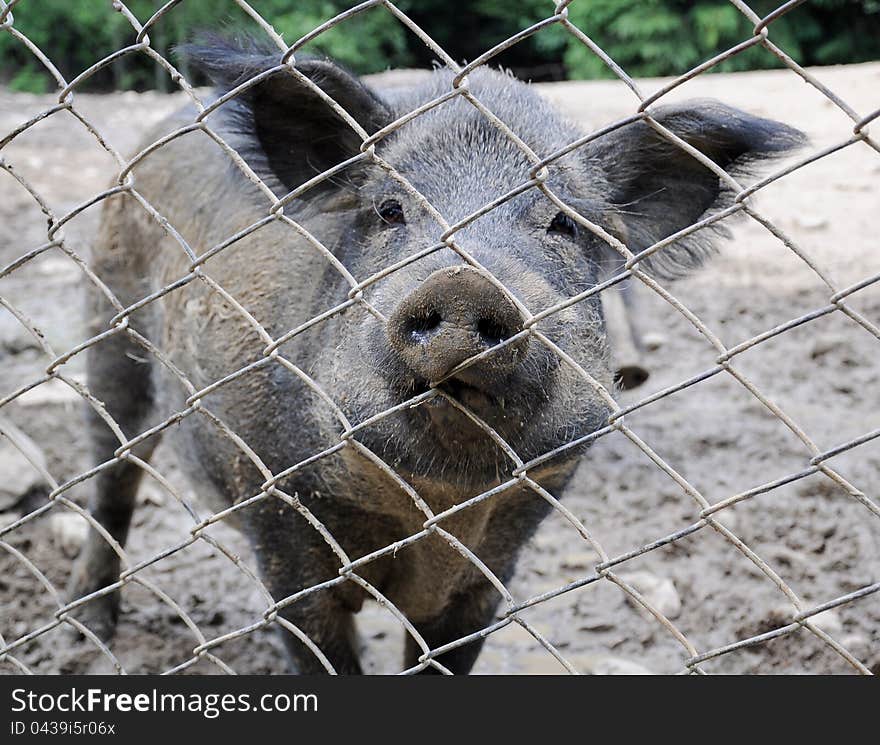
pixel 645 37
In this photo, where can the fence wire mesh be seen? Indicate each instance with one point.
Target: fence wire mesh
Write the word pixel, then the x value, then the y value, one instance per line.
pixel 513 609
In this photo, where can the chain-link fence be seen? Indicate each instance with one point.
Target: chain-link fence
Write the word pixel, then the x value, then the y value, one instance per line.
pixel 159 595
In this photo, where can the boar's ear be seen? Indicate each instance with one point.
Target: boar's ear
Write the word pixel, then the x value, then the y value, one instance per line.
pixel 284 130
pixel 658 188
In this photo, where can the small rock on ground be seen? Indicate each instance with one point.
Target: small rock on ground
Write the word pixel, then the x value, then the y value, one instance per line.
pixel 660 592
pixel 18 454
pixel 69 531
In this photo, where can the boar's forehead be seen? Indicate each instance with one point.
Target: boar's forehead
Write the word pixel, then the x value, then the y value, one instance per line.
pixel 459 159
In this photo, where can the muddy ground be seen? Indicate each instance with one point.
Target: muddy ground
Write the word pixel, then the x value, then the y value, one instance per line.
pixel 823 374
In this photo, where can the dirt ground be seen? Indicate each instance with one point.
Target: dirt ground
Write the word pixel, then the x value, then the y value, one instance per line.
pixel 824 374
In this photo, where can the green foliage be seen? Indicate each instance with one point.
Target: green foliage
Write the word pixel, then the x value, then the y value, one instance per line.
pixel 668 37
pixel 645 37
pixel 77 33
pixel 369 42
pixel 28 80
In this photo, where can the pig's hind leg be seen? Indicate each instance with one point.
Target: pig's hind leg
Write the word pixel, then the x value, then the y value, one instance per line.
pixel 118 375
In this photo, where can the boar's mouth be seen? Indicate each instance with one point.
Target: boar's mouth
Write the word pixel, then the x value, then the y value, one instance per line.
pixel 469 408
pixel 475 399
pixel 452 425
pixel 451 418
pixel 436 441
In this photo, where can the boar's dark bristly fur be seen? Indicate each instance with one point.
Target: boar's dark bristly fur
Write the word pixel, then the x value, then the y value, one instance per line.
pixel 421 322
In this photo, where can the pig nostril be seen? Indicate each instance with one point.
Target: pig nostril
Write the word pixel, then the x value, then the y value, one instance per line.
pixel 492 331
pixel 418 326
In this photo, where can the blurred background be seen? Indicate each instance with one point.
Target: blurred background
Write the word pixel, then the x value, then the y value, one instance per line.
pixel 646 37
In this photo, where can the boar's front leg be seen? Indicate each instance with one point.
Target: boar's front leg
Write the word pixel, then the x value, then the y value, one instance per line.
pixel 292 557
pixel 324 618
pixel 515 519
pixel 468 611
pixel 121 379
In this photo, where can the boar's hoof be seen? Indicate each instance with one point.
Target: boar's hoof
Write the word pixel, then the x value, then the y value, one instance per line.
pixel 98 615
pixel 631 376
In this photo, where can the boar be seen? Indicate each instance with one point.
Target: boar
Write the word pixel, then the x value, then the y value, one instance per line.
pixel 405 334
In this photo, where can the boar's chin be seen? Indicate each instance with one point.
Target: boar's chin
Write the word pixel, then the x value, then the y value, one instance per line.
pixel 437 442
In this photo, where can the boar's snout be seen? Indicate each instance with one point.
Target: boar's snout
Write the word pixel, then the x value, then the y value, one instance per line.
pixel 455 314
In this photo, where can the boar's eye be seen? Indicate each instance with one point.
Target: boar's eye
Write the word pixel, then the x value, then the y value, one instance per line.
pixel 391 212
pixel 563 225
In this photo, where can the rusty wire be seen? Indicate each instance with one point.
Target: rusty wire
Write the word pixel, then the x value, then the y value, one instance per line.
pixel 198 399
